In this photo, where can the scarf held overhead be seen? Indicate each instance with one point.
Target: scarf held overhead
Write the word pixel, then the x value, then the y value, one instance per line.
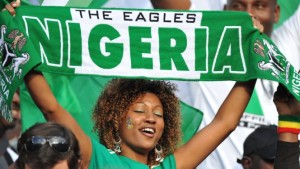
pixel 154 44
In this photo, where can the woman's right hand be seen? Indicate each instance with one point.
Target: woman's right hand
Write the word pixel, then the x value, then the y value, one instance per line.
pixel 11 7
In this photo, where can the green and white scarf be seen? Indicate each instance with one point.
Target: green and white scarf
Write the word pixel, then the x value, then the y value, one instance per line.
pixel 152 44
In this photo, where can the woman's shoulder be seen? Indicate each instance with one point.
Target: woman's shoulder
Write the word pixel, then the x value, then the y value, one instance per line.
pixel 101 156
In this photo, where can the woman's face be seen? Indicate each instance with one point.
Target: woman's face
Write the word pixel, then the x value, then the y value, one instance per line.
pixel 143 125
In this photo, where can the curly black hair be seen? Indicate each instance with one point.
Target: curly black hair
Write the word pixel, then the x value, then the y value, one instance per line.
pixel 114 102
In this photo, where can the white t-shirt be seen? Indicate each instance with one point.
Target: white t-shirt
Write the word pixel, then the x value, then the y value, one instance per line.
pixel 287 39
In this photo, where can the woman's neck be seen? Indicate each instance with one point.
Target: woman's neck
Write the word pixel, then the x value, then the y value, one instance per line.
pixel 140 157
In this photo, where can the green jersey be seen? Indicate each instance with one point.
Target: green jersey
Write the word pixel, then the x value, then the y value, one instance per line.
pixel 103 158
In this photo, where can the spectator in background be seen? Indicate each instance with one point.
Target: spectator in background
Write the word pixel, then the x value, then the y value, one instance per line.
pixel 7 154
pixel 14 133
pixel 260 148
pixel 287 38
pixel 288 108
pixel 208 95
pixel 9 134
pixel 270 147
pixel 46 146
pixel 267 12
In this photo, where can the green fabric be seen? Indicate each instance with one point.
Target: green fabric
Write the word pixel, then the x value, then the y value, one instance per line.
pixel 254 106
pixel 215 50
pixel 229 52
pixel 14 63
pixel 287 9
pixel 105 158
pixel 77 94
pixel 191 120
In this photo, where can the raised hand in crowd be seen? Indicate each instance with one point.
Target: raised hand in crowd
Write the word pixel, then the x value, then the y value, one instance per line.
pixel 12 5
pixel 288 108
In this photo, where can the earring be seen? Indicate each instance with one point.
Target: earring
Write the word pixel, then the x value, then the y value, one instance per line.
pixel 158 152
pixel 117 145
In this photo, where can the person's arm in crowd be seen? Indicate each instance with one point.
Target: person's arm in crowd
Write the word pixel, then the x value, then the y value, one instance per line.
pixel 225 121
pixel 53 111
pixel 171 4
pixel 287 154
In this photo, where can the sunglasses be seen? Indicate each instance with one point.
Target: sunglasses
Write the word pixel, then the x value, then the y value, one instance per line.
pixel 57 143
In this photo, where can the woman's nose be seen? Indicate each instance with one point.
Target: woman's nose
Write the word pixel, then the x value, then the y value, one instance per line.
pixel 150 117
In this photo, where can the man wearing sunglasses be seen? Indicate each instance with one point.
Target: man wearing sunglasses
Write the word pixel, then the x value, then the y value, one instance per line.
pixel 48 145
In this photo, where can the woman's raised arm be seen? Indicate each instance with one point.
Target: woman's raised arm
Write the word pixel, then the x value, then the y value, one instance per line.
pixel 226 120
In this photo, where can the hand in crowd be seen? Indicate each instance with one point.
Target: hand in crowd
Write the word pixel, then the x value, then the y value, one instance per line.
pixel 257 24
pixel 285 102
pixel 11 6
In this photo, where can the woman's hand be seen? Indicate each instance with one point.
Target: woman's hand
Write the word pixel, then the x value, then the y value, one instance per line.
pixel 11 7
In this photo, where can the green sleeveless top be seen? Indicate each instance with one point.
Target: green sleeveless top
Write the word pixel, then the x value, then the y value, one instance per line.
pixel 103 158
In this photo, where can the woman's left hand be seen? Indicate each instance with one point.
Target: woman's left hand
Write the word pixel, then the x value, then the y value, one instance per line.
pixel 11 7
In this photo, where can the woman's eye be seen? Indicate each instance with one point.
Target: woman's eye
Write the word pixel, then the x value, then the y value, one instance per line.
pixel 139 111
pixel 159 114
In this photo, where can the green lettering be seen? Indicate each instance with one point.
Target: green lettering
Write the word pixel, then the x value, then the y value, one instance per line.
pixel 47 38
pixel 137 47
pixel 75 44
pixel 172 52
pixel 201 50
pixel 115 50
pixel 229 54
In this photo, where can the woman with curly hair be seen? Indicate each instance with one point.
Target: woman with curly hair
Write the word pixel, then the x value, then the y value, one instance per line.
pixel 124 103
pixel 138 123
